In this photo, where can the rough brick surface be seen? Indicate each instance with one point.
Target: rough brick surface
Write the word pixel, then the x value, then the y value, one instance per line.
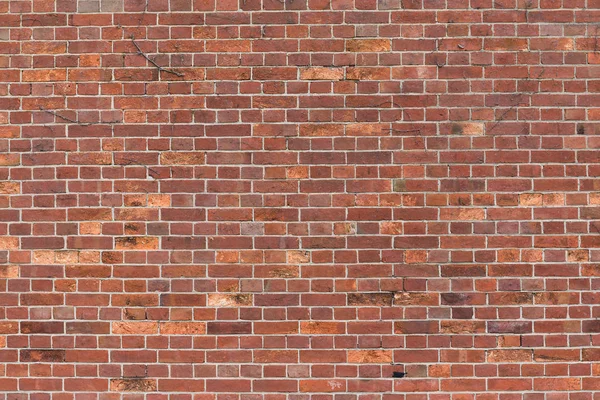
pixel 261 199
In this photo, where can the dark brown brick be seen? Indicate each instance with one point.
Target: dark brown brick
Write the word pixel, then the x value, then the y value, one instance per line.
pixel 228 328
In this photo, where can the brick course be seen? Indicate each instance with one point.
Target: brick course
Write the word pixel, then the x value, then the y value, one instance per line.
pixel 268 199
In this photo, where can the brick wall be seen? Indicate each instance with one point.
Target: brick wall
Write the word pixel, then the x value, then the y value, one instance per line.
pixel 254 199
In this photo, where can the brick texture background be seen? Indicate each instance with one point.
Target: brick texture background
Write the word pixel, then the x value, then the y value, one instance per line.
pixel 270 199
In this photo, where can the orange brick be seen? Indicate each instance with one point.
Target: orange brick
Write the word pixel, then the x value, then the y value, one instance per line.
pixel 593 58
pixel 462 214
pixel 9 159
pixel 9 243
pixel 133 385
pixel 468 128
pixel 365 129
pixel 323 385
pixel 182 158
pixel 322 328
pixel 90 228
pixel 9 131
pixel 44 75
pixel 44 47
pixel 321 130
pixel 298 172
pixel 367 73
pixel 10 188
pixel 228 256
pixel 390 228
pixel 9 271
pixel 415 256
pixel 159 200
pixel 135 328
pixel 370 356
pixel 229 300
pixel 182 328
pixel 298 257
pixel 368 45
pixel 322 74
pixel 502 356
pixel 530 199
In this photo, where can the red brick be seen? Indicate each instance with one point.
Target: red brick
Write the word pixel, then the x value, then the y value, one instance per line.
pixel 275 385
pixel 322 385
pixel 42 355
pixel 299 197
pixel 28 327
pixel 275 356
pixel 181 385
pixel 322 328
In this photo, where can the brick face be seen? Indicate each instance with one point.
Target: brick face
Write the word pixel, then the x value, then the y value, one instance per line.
pixel 269 199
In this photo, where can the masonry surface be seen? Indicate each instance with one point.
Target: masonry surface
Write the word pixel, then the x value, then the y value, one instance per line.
pixel 327 199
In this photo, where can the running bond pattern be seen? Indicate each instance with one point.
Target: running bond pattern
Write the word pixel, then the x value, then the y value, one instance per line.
pixel 270 199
